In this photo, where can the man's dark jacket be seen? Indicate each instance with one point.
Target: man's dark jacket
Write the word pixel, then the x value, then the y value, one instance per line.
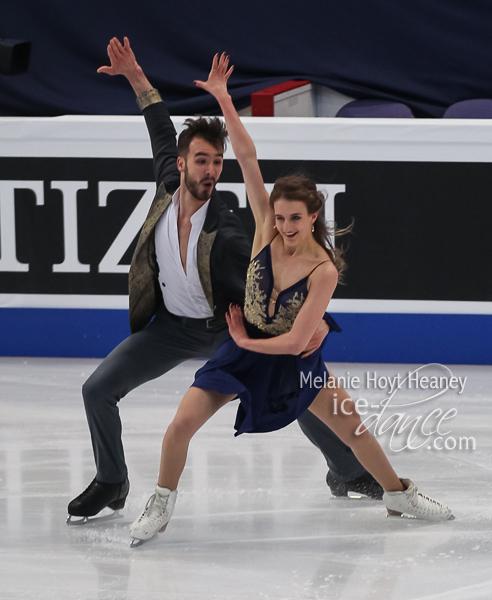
pixel 223 251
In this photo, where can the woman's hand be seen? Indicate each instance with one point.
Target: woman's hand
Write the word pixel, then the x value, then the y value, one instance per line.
pixel 235 321
pixel 216 83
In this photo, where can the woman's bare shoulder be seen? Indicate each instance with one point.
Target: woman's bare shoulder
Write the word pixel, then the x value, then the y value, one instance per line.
pixel 324 270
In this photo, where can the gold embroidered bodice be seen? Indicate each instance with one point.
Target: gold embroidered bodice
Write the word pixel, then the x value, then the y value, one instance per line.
pixel 259 287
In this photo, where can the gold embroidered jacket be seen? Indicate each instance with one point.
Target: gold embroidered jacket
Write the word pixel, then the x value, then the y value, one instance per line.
pixel 223 250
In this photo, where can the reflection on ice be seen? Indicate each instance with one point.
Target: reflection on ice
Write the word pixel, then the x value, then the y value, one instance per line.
pixel 254 518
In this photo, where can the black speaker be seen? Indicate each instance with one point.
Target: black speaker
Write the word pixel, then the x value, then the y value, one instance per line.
pixel 14 56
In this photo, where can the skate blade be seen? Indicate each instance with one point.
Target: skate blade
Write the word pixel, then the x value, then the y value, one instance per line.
pixel 137 543
pixel 361 496
pixel 355 496
pixel 77 521
pixel 394 513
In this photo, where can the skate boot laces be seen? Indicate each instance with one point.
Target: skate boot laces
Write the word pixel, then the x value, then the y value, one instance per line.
pixel 412 502
pixel 156 515
pixel 155 509
pixel 425 505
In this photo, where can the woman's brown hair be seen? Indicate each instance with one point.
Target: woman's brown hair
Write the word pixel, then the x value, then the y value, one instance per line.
pixel 303 189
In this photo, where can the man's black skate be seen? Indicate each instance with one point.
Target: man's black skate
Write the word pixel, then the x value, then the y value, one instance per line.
pixel 97 497
pixel 365 484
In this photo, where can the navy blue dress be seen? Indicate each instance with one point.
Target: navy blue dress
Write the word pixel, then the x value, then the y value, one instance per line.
pixel 274 389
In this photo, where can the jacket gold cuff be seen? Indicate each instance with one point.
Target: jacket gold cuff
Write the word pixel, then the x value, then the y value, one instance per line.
pixel 147 98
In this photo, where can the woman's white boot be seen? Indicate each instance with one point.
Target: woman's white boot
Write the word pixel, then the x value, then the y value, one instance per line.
pixel 412 502
pixel 156 515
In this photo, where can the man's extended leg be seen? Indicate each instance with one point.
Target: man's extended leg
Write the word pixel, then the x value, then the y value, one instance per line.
pixel 345 474
pixel 143 356
pixel 339 457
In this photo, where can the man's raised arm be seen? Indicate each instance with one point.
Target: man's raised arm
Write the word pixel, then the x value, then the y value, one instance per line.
pixel 161 129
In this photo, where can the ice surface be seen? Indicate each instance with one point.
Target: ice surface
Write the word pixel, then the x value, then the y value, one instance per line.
pixel 254 517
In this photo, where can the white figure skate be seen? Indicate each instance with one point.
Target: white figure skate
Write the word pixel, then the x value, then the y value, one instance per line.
pixel 155 517
pixel 412 502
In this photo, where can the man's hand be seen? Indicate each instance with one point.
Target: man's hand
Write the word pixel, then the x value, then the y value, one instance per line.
pixel 216 83
pixel 317 339
pixel 123 62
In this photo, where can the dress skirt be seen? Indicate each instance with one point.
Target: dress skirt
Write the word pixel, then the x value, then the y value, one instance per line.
pixel 273 389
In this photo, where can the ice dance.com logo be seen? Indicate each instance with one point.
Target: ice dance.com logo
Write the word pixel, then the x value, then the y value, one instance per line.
pixel 403 417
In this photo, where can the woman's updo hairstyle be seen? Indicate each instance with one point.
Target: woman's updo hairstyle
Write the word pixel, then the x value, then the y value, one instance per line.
pixel 303 189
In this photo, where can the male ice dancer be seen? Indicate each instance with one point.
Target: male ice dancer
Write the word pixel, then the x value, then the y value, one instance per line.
pixel 190 263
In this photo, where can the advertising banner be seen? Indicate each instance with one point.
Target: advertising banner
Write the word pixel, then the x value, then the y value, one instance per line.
pixel 74 192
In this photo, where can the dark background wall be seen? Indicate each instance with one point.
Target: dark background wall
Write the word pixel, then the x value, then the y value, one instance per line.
pixel 426 53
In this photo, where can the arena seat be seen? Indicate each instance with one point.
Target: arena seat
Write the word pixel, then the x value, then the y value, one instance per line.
pixel 470 109
pixel 375 109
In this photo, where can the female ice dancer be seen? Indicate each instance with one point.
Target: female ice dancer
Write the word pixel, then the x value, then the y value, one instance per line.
pixel 291 279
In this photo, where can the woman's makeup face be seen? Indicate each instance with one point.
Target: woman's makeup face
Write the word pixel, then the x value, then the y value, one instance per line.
pixel 292 220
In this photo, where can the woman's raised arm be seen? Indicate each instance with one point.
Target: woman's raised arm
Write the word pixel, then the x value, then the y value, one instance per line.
pixel 244 149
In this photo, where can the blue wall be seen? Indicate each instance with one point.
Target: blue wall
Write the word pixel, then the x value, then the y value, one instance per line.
pixel 386 338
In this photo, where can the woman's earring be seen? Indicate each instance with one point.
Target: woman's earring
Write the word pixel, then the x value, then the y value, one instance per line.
pixel 312 228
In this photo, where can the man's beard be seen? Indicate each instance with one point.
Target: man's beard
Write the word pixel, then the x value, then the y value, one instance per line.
pixel 193 186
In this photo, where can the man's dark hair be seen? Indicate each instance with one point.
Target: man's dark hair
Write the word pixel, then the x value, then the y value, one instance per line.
pixel 212 130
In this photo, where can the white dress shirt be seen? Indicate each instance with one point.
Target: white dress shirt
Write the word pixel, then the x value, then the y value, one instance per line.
pixel 182 292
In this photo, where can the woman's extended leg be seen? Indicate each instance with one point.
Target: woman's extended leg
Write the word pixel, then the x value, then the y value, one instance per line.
pixel 337 410
pixel 196 407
